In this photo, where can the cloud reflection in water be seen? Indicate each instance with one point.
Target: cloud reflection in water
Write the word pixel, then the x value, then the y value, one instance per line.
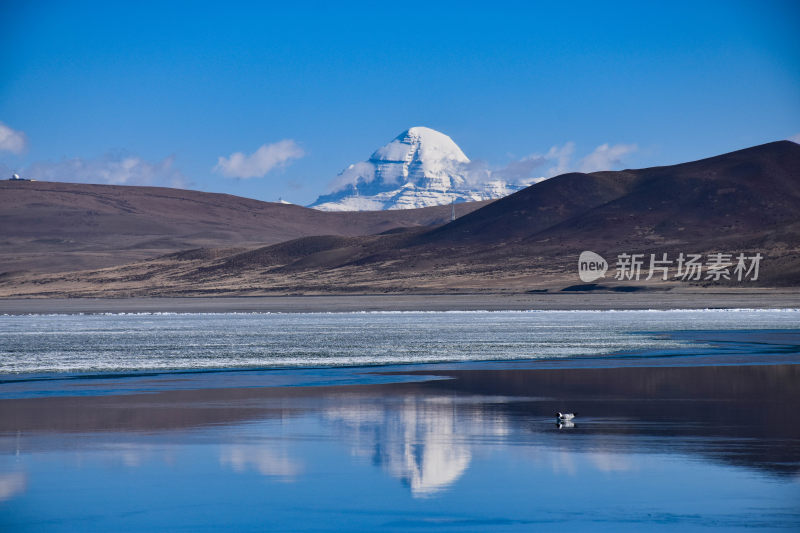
pixel 12 484
pixel 262 459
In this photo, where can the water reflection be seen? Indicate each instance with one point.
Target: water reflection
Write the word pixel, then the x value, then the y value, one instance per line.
pixel 417 440
pixel 261 458
pixel 611 462
pixel 12 484
pixel 430 436
pixel 429 441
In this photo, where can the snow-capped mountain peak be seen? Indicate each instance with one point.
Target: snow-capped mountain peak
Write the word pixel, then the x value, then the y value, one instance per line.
pixel 423 149
pixel 421 167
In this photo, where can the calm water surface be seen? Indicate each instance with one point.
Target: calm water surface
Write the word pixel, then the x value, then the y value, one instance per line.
pixel 687 421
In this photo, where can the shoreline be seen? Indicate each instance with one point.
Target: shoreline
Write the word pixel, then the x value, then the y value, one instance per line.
pixel 751 299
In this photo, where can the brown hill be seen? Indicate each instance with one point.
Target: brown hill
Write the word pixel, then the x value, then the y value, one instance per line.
pixel 744 201
pixel 749 191
pixel 68 226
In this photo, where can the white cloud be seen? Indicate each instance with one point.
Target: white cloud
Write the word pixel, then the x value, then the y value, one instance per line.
pixel 606 157
pixel 521 169
pixel 260 162
pixel 557 160
pixel 795 138
pixel 562 157
pixel 536 167
pixel 112 168
pixel 357 173
pixel 525 171
pixel 11 140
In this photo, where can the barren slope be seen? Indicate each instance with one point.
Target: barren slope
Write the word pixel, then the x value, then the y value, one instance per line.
pixel 68 226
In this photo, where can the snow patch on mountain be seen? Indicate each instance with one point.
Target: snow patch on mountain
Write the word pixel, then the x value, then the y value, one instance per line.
pixel 421 167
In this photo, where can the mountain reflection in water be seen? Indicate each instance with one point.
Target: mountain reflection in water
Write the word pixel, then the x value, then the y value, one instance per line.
pixel 483 444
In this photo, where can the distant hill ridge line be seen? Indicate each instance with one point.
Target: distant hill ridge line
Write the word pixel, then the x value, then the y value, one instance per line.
pixel 101 225
pixel 743 200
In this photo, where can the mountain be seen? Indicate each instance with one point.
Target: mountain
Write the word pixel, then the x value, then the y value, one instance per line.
pixel 421 167
pixel 746 201
pixel 749 192
pixel 53 226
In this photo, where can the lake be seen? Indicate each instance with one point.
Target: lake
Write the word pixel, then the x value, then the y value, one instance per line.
pixel 437 421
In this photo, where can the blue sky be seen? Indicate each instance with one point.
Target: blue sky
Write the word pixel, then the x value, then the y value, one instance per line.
pixel 147 93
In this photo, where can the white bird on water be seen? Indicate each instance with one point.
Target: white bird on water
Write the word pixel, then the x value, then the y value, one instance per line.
pixel 564 417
